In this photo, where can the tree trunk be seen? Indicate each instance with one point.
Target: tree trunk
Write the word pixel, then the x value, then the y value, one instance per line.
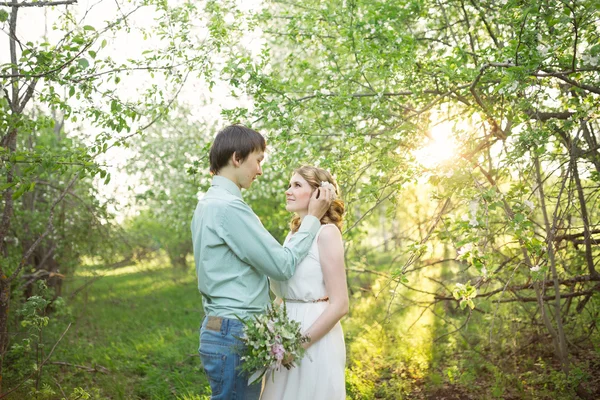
pixel 9 142
pixel 4 304
pixel 563 352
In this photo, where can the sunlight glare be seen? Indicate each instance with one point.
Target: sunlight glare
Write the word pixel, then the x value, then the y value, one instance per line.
pixel 440 148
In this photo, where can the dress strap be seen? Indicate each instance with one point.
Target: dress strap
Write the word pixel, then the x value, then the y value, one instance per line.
pixel 323 227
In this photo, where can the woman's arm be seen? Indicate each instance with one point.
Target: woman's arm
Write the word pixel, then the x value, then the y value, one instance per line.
pixel 331 254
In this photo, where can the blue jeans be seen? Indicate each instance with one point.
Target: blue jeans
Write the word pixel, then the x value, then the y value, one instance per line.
pixel 219 352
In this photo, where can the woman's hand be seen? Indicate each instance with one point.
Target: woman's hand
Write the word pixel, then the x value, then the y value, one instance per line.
pixel 288 361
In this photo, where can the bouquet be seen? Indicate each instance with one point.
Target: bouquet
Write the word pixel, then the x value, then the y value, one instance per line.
pixel 269 340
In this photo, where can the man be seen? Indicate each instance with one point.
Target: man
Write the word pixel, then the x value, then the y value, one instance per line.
pixel 234 254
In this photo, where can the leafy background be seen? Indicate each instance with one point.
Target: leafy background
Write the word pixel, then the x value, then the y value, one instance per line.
pixel 472 269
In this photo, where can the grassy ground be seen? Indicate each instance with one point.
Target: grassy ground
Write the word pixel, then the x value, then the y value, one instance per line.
pixel 139 326
pixel 134 335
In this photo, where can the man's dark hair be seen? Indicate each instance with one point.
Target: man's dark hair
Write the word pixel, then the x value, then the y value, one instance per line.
pixel 234 139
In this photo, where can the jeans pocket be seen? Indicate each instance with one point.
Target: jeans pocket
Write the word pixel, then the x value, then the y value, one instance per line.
pixel 214 366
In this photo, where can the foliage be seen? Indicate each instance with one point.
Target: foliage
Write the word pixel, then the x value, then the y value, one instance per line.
pixel 366 90
pixel 66 99
pixel 165 162
pixel 357 87
pixel 134 335
pixel 29 350
pixel 269 338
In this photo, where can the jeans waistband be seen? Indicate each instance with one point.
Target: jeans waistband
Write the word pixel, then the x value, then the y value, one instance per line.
pixel 221 324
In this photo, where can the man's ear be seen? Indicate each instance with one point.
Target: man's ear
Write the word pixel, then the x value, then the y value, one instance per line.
pixel 235 159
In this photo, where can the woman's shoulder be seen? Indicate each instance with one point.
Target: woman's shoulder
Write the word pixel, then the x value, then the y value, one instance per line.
pixel 328 233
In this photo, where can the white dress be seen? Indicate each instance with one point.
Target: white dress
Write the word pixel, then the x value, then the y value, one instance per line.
pixel 320 374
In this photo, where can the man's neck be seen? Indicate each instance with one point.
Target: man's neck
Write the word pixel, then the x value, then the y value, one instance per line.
pixel 229 174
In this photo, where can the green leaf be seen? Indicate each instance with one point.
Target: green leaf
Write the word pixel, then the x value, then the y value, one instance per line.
pixel 6 186
pixel 89 28
pixel 3 15
pixel 115 106
pixel 92 53
pixel 83 63
pixel 19 192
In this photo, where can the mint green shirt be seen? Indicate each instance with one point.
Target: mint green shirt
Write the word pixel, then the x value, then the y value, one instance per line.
pixel 234 253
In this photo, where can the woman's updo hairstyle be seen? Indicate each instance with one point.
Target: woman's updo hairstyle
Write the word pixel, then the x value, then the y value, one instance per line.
pixel 314 176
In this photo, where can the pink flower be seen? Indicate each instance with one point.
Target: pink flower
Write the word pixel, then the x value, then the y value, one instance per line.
pixel 278 351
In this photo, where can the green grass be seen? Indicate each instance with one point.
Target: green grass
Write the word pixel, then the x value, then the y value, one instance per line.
pixel 141 325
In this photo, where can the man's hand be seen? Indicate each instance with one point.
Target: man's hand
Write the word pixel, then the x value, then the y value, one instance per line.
pixel 320 201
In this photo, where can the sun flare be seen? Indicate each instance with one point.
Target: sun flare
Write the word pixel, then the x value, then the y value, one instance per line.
pixel 440 147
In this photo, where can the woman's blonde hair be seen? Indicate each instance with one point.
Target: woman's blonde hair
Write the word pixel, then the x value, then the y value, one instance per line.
pixel 314 176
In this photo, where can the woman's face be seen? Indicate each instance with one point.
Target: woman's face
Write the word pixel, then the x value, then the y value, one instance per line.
pixel 298 195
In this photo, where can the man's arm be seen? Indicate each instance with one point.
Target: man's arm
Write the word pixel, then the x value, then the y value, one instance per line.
pixel 248 239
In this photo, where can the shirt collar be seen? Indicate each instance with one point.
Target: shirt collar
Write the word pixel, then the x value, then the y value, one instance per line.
pixel 227 184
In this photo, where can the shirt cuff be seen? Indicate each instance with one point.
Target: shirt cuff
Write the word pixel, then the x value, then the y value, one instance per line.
pixel 310 224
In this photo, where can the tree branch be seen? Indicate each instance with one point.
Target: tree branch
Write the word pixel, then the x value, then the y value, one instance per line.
pixel 545 116
pixel 96 368
pixel 38 3
pixel 39 367
pixel 528 299
pixel 49 228
pixel 574 236
pixel 584 214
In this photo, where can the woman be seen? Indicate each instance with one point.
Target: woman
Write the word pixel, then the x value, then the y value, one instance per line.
pixel 317 297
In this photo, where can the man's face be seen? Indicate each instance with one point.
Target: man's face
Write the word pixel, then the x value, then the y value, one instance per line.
pixel 249 169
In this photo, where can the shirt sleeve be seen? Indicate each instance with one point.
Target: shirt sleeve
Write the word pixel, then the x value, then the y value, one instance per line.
pixel 245 235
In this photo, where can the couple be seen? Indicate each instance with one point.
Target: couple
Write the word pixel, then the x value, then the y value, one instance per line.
pixel 235 254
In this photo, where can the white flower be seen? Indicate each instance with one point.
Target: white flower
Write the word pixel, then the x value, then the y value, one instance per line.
pixel 484 271
pixel 529 204
pixel 473 207
pixel 465 249
pixel 591 60
pixel 473 222
pixel 328 185
pixel 535 268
